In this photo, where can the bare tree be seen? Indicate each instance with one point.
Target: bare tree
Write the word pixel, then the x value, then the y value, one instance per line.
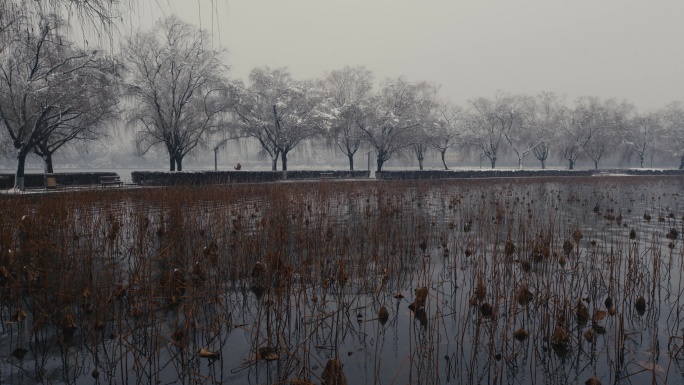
pixel 544 117
pixel 344 92
pixel 177 82
pixel 389 120
pixel 491 123
pixel 578 130
pixel 420 143
pixel 279 112
pixel 673 135
pixel 572 139
pixel 6 146
pixel 641 132
pixel 425 114
pixel 603 123
pixel 522 137
pixel 52 93
pixel 447 128
pixel 89 127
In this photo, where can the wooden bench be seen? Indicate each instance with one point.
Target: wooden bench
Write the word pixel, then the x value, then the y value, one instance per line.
pixel 327 175
pixel 110 180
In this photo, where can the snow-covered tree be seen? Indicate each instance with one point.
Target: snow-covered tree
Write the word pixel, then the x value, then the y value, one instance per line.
pixel 51 92
pixel 603 123
pixel 572 138
pixel 641 132
pixel 89 127
pixel 448 127
pixel 345 94
pixel 673 134
pixel 492 122
pixel 544 116
pixel 425 114
pixel 6 147
pixel 280 112
pixel 389 120
pixel 522 137
pixel 176 80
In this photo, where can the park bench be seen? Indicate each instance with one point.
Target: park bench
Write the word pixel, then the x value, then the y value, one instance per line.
pixel 110 180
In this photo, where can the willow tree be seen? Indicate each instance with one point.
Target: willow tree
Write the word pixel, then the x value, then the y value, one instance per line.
pixel 99 15
pixel 52 92
pixel 177 82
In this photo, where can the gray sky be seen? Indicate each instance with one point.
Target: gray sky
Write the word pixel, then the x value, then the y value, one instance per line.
pixel 607 48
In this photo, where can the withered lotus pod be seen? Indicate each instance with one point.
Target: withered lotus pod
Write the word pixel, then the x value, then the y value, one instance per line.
pixel 421 297
pixel 577 235
pixel 524 295
pixel 486 309
pixel 582 313
pixel 520 335
pixel 383 315
pixel 332 374
pixel 608 302
pixel 640 305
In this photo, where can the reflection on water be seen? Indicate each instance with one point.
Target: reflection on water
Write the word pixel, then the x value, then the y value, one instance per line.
pixel 508 281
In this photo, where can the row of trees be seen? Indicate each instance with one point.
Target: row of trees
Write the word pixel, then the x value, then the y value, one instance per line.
pixel 410 117
pixel 172 88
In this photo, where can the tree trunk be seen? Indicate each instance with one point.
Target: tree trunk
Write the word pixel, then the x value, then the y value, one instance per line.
pixel 172 163
pixel 596 165
pixel 179 162
pixel 19 176
pixel 274 163
pixel 543 163
pixel 571 164
pixel 283 159
pixel 443 161
pixel 493 162
pixel 681 163
pixel 351 161
pixel 420 162
pixel 48 163
pixel 641 160
pixel 380 162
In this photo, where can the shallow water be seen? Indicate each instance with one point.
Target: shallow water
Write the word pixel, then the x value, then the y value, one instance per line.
pixel 333 255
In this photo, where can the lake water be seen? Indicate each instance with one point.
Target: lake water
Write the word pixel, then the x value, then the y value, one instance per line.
pixel 489 281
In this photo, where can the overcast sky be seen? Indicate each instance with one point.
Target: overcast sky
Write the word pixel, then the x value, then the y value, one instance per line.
pixel 630 50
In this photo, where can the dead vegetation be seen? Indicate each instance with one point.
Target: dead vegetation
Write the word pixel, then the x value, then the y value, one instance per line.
pixel 307 283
